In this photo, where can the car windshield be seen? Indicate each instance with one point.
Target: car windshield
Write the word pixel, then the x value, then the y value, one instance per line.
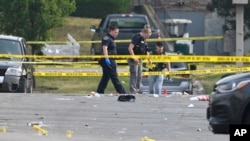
pixel 128 22
pixel 10 47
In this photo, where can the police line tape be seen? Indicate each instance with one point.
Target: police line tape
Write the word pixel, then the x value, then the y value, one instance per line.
pixel 129 40
pixel 209 71
pixel 159 58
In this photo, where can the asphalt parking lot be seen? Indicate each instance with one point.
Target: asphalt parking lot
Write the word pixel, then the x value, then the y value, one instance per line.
pixel 164 118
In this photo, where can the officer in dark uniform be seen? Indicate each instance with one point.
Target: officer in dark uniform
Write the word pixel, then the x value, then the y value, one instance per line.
pixel 109 66
pixel 138 46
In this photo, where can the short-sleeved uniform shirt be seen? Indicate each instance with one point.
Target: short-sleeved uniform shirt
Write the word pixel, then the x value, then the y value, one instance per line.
pixel 141 47
pixel 108 41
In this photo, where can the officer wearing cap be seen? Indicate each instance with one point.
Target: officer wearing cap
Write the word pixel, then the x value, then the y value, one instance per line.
pixel 109 66
pixel 138 46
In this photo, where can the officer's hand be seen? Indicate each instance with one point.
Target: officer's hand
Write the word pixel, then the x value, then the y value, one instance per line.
pixel 136 61
pixel 107 61
pixel 149 61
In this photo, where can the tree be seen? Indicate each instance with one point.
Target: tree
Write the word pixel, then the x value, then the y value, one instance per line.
pixel 226 9
pixel 33 19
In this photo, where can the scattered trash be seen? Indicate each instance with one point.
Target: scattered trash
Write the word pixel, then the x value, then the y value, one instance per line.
pixel 165 92
pixel 155 95
pixel 39 123
pixel 185 93
pixel 199 129
pixel 200 98
pixel 190 105
pixel 69 133
pixel 176 93
pixel 146 139
pixel 40 130
pixel 95 94
pixel 3 129
pixel 64 99
pixel 71 48
pixel 194 98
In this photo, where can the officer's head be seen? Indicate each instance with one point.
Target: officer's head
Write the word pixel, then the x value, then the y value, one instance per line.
pixel 146 31
pixel 113 30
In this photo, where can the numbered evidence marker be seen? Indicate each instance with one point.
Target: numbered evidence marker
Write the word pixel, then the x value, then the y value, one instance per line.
pixel 239 132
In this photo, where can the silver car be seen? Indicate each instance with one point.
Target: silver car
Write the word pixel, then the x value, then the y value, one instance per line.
pixel 16 74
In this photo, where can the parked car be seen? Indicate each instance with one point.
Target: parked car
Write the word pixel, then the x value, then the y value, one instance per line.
pixel 229 103
pixel 173 84
pixel 16 74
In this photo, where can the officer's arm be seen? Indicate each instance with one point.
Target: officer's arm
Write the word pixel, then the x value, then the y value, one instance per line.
pixel 105 51
pixel 168 66
pixel 131 51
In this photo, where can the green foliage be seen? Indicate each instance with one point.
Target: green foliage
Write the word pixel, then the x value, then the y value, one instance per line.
pixel 33 19
pixel 100 8
pixel 226 9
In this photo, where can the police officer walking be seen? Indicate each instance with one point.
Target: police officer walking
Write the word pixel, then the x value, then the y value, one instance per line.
pixel 138 46
pixel 109 66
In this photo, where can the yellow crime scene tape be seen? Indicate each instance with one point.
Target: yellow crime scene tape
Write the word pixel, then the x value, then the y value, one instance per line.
pixel 160 58
pixel 197 72
pixel 40 63
pixel 129 40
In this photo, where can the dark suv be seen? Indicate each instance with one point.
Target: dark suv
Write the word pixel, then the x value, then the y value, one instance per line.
pixel 16 74
pixel 229 103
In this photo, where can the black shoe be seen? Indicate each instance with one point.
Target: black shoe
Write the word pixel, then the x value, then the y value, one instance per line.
pixel 126 98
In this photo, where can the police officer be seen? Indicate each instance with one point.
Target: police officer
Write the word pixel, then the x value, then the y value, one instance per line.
pixel 109 66
pixel 138 46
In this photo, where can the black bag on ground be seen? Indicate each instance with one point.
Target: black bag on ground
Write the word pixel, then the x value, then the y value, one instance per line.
pixel 126 98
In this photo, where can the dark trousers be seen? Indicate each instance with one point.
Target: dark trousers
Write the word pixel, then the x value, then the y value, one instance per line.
pixel 109 72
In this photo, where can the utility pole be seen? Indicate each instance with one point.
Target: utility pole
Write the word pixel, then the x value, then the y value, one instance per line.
pixel 239 28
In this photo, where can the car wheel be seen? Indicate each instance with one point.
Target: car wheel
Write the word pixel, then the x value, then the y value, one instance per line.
pixel 23 88
pixel 22 85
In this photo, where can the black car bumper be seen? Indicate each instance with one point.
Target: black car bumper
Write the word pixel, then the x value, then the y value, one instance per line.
pixel 219 113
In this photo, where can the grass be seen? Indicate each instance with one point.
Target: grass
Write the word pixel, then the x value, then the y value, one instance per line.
pixel 74 85
pixel 79 28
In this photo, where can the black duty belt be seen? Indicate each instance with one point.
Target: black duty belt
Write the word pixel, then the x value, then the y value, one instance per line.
pixel 112 53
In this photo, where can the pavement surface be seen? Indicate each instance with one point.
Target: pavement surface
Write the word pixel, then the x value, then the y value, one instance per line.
pixel 93 118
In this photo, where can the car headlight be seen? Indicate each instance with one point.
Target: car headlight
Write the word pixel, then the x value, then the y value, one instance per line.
pixel 14 71
pixel 231 86
pixel 226 87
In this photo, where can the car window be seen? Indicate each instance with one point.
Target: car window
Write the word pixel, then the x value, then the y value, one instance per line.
pixel 10 47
